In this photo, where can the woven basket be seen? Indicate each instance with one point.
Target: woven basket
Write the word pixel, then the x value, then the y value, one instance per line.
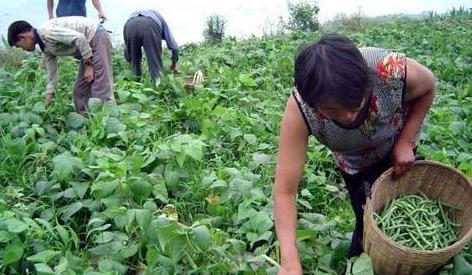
pixel 436 181
pixel 190 84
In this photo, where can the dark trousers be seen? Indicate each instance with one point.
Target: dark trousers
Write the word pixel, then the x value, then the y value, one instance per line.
pixel 143 32
pixel 356 185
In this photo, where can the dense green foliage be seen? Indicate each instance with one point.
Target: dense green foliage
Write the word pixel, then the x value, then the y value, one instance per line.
pixel 303 15
pixel 173 182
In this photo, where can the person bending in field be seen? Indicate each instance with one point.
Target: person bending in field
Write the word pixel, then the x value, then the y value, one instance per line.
pixel 74 8
pixel 146 29
pixel 367 106
pixel 67 36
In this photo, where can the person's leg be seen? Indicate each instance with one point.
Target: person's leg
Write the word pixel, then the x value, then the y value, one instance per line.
pixel 126 49
pixel 356 186
pixel 152 44
pixel 102 84
pixel 81 91
pixel 356 194
pixel 133 44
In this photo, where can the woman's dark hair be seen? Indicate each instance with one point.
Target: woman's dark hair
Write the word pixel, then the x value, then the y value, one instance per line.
pixel 332 67
pixel 16 28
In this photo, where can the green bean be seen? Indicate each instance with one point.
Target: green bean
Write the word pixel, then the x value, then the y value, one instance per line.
pixel 417 222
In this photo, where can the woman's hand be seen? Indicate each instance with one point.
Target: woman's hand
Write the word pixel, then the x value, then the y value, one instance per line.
pixel 402 158
pixel 293 268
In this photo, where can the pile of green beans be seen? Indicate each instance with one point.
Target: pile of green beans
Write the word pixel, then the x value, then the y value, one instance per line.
pixel 417 222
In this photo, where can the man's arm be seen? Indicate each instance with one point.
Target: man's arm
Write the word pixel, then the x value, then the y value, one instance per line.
pixel 291 160
pixel 76 39
pixel 98 7
pixel 171 44
pixel 419 93
pixel 51 65
pixel 51 9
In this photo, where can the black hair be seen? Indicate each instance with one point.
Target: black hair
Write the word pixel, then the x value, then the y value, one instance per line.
pixel 16 28
pixel 332 67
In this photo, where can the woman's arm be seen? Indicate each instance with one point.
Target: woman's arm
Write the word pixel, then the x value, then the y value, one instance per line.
pixel 291 160
pixel 419 93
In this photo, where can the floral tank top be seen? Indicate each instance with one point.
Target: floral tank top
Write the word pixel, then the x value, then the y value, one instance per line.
pixel 358 148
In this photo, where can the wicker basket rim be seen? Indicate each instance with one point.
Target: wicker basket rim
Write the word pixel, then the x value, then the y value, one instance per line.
pixel 466 238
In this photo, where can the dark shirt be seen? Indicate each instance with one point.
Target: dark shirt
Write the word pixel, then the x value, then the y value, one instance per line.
pixel 71 8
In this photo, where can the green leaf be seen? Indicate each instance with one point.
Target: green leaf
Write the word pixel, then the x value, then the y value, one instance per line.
pixel 80 188
pixel 151 256
pixel 63 233
pixel 102 188
pixel 250 138
pixel 263 237
pixel 261 159
pixel 202 237
pixel 332 188
pixel 143 218
pixel 69 193
pixel 151 206
pixel 95 104
pixel 114 126
pixel 194 150
pixel 6 236
pixel 43 256
pixel 13 253
pixel 41 187
pixel 43 269
pixel 160 191
pixel 305 235
pixel 362 265
pixel 305 203
pixel 62 266
pixel 64 166
pixel 111 265
pixel 13 225
pixel 69 210
pixel 261 222
pixel 75 121
pixel 306 193
pixel 181 158
pixel 461 266
pixel 98 229
pixel 340 253
pixel 127 252
pixel 247 80
pixel 140 187
pixel 123 94
pixel 315 218
pixel 124 220
pixel 17 148
pixel 104 237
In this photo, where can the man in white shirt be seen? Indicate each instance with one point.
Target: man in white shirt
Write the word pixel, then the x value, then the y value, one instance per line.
pixel 69 36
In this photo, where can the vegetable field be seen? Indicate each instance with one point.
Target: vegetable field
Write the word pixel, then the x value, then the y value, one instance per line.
pixel 174 182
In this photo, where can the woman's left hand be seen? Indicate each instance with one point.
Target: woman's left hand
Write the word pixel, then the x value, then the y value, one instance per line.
pixel 402 158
